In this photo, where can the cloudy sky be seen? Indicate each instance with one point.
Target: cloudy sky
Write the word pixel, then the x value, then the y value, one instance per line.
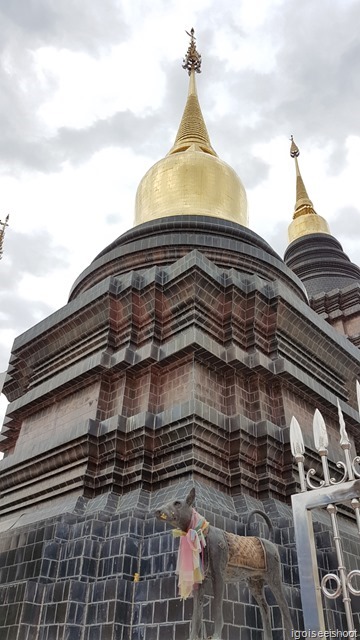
pixel 91 94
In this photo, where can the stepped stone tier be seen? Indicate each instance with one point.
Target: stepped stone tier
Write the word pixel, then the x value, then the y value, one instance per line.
pixel 183 352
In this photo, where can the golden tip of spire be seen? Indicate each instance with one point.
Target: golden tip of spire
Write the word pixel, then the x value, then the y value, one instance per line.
pixel 192 132
pixel 294 149
pixel 305 219
pixel 192 60
pixel 303 203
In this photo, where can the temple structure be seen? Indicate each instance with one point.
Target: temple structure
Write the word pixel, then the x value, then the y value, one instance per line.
pixel 185 348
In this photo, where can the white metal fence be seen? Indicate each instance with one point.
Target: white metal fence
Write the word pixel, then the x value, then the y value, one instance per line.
pixel 325 493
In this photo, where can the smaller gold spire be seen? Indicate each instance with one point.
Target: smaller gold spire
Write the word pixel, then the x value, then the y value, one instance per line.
pixel 3 226
pixel 305 218
pixel 303 204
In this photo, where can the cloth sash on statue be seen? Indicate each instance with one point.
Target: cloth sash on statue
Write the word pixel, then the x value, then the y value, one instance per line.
pixel 189 563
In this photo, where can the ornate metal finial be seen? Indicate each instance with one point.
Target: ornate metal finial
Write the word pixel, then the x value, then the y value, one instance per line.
pixel 358 394
pixel 192 60
pixel 3 226
pixel 344 438
pixel 294 150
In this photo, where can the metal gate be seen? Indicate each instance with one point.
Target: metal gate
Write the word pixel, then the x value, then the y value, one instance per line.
pixel 328 493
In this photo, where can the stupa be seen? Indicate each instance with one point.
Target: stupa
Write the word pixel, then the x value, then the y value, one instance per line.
pixel 183 352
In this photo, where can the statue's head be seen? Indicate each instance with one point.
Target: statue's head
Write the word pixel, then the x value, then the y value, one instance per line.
pixel 178 513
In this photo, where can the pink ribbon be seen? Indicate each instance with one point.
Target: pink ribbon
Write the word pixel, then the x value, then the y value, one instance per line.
pixel 189 565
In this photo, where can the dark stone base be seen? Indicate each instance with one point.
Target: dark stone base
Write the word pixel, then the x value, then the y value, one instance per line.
pixel 71 576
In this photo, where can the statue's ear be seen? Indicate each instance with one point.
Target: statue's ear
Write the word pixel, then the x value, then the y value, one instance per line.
pixel 191 497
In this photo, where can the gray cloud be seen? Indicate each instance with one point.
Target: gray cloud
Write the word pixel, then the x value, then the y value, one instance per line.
pixel 123 129
pixel 34 254
pixel 277 239
pixel 18 314
pixel 314 92
pixel 346 223
pixel 71 24
pixel 25 254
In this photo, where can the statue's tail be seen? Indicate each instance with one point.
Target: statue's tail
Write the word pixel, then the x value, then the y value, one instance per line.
pixel 265 517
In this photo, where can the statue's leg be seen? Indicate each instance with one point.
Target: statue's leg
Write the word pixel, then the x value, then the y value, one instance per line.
pixel 197 617
pixel 256 586
pixel 218 591
pixel 276 585
pixel 283 605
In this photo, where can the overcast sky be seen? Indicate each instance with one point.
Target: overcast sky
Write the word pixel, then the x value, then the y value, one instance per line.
pixel 91 95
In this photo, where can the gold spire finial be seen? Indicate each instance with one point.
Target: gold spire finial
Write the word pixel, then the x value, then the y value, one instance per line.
pixel 294 150
pixel 3 225
pixel 192 60
pixel 192 130
pixel 305 218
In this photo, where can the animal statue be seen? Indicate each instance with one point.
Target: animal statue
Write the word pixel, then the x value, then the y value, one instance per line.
pixel 209 553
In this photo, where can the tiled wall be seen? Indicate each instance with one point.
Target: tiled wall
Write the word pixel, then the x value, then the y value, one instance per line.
pixel 71 577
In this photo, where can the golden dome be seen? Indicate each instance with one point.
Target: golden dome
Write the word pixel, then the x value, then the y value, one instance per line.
pixel 305 218
pixel 191 179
